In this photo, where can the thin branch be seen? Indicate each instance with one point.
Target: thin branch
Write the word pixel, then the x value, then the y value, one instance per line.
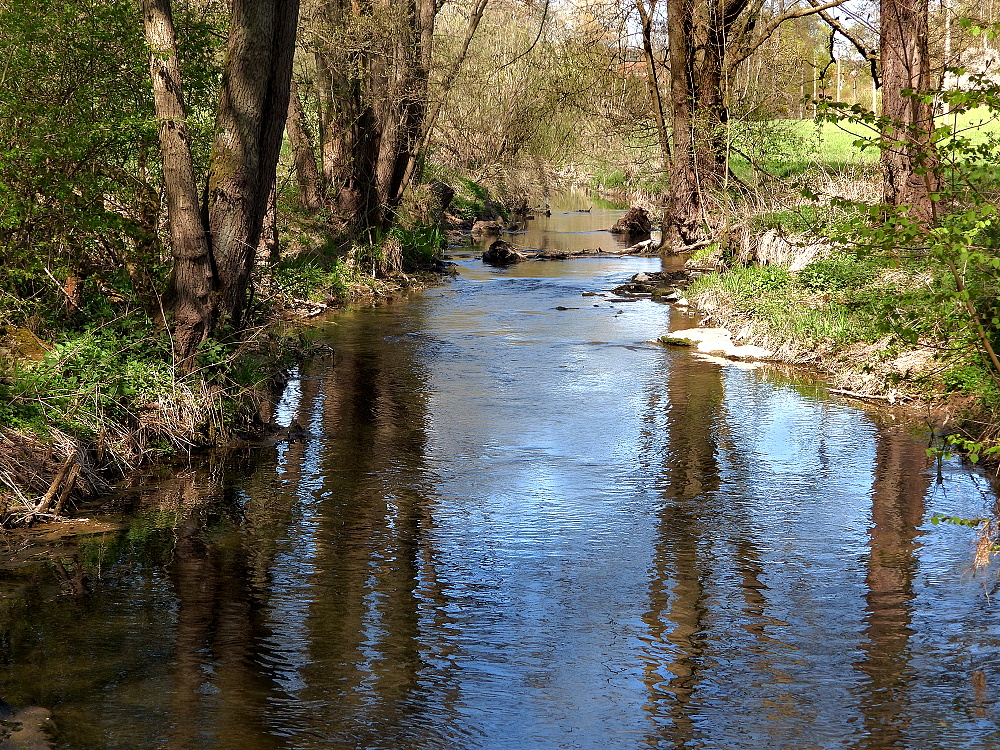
pixel 538 36
pixel 834 23
pixel 768 30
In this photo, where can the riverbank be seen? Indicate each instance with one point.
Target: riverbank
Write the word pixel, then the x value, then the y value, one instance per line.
pixel 83 402
pixel 515 485
pixel 874 331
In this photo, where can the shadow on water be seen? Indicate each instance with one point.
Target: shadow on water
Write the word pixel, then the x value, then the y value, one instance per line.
pixel 689 412
pixel 900 485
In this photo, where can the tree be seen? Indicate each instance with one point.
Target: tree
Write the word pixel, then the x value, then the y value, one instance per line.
pixel 707 41
pixel 311 191
pixel 193 279
pixel 373 63
pixel 253 107
pixel 213 258
pixel 908 160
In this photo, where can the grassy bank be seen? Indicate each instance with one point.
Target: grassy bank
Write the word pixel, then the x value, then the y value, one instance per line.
pixel 884 329
pixel 883 308
pixel 91 391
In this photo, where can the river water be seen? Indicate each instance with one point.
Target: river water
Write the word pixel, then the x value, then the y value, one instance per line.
pixel 511 526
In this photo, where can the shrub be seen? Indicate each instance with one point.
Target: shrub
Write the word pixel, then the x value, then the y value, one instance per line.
pixel 835 274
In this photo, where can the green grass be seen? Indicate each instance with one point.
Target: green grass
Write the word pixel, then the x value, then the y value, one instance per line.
pixel 835 301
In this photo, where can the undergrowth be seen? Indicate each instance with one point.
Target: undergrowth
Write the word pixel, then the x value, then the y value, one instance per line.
pixel 865 310
pixel 100 382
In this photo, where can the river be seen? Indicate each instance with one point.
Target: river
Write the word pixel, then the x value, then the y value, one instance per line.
pixel 512 526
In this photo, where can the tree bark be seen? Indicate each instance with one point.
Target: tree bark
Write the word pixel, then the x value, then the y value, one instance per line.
pixel 253 108
pixel 303 154
pixel 349 133
pixel 373 118
pixel 707 40
pixel 413 62
pixel 697 113
pixel 330 159
pixel 910 172
pixel 269 246
pixel 192 273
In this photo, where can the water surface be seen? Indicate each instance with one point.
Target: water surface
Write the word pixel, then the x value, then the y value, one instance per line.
pixel 512 527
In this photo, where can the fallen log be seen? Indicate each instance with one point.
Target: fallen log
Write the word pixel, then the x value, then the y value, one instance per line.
pixel 502 253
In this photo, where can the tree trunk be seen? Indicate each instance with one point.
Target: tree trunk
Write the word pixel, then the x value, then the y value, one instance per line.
pixel 908 159
pixel 253 108
pixel 350 136
pixel 402 125
pixel 373 118
pixel 192 273
pixel 698 44
pixel 307 175
pixel 327 141
pixel 707 41
pixel 269 246
pixel 656 100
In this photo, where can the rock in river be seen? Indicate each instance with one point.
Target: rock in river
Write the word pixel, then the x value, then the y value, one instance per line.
pixel 717 341
pixel 27 729
pixel 487 227
pixel 502 253
pixel 634 222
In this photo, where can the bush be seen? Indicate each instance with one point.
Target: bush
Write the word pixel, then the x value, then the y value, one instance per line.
pixel 311 278
pixel 836 274
pixel 420 245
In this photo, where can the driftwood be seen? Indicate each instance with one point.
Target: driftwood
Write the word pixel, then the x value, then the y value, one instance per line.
pixel 890 399
pixel 46 502
pixel 502 253
pixel 40 477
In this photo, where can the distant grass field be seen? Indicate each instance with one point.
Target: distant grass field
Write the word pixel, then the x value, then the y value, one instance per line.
pixel 836 144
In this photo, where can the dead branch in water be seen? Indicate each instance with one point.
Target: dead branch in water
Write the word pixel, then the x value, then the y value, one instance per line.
pixel 45 503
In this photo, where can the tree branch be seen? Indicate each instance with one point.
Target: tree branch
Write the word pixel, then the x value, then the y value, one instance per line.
pixel 765 34
pixel 870 55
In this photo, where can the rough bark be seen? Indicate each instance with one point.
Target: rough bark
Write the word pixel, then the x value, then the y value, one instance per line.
pixel 707 40
pixel 909 166
pixel 349 130
pixel 696 110
pixel 303 154
pixel 253 107
pixel 329 155
pixel 373 120
pixel 269 246
pixel 403 122
pixel 192 272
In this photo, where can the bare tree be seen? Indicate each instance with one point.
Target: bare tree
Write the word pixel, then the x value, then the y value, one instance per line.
pixel 707 41
pixel 311 192
pixel 373 66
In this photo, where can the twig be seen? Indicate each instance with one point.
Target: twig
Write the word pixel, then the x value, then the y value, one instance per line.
pixel 891 399
pixel 61 288
pixel 695 246
pixel 67 489
pixel 46 500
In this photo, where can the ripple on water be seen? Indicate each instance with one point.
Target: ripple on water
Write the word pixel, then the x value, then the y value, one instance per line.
pixel 511 527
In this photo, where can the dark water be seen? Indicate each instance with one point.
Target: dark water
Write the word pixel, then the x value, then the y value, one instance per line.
pixel 519 527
